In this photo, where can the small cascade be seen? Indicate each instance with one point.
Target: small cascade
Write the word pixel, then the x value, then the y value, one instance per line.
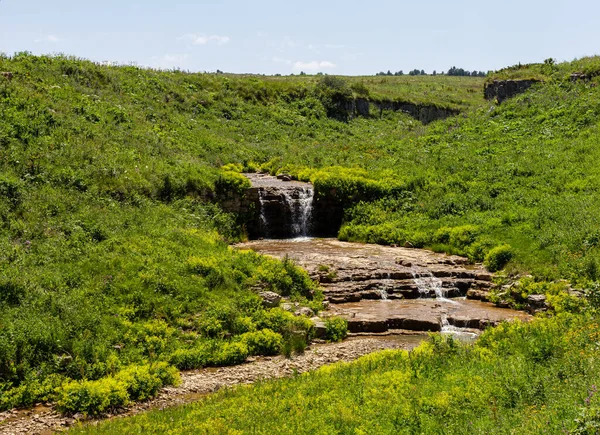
pixel 426 282
pixel 383 290
pixel 455 331
pixel 285 211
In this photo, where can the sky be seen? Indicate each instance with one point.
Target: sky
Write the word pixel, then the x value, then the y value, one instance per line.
pixel 335 37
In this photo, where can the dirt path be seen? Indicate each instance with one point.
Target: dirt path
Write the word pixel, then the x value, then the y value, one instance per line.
pixel 196 384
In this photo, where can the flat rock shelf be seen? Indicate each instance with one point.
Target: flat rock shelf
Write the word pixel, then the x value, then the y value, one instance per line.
pixel 382 288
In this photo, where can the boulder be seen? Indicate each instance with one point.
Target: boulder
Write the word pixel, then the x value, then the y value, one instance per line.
pixel 305 311
pixel 320 328
pixel 270 299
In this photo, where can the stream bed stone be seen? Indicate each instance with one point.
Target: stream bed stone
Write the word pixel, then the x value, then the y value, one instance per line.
pixel 382 288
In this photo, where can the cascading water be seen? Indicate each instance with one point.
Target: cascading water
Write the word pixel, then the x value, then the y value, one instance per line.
pixel 426 282
pixel 460 333
pixel 286 211
pixel 300 203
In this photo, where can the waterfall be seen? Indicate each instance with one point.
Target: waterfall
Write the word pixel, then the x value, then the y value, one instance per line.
pixel 455 331
pixel 300 203
pixel 426 282
pixel 286 212
pixel 383 293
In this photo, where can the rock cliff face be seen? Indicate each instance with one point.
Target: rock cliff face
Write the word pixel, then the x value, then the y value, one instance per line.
pixel 281 208
pixel 501 90
pixel 421 112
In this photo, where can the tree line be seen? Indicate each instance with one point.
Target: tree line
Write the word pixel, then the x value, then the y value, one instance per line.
pixel 454 71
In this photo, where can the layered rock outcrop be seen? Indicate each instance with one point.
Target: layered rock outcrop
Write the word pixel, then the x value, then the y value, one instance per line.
pixel 501 90
pixel 426 113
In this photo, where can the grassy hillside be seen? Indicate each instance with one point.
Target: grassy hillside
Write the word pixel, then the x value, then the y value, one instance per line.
pixel 526 379
pixel 114 264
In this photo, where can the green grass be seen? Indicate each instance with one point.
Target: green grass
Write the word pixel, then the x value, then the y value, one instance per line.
pixel 526 379
pixel 112 254
pixel 440 91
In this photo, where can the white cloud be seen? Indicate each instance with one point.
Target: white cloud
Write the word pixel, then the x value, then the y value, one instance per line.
pixel 206 39
pixel 313 66
pixel 335 46
pixel 169 61
pixel 48 38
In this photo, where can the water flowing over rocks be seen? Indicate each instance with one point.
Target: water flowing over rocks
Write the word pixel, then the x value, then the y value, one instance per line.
pixel 381 288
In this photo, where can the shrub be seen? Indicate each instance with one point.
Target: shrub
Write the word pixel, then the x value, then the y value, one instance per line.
pixel 264 342
pixel 231 354
pixel 231 182
pixel 92 397
pixel 188 359
pixel 141 383
pixel 498 257
pixel 336 329
pixel 167 374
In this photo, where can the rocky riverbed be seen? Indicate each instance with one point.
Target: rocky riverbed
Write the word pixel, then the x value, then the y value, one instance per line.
pixel 381 288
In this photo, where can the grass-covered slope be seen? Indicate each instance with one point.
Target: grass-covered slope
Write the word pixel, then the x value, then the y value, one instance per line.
pixel 114 263
pixel 111 254
pixel 526 379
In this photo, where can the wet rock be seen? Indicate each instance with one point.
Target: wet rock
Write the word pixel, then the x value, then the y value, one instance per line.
pixel 478 295
pixel 484 276
pixel 415 324
pixel 270 299
pixel 366 325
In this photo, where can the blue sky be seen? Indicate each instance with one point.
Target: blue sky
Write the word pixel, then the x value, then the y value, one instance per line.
pixel 336 37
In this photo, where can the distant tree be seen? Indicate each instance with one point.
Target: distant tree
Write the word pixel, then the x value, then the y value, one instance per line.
pixel 434 73
pixel 399 73
pixel 302 73
pixel 423 72
pixel 454 71
pixel 389 73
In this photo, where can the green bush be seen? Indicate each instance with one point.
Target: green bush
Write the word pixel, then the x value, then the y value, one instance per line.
pixel 141 383
pixel 230 354
pixel 188 359
pixel 336 329
pixel 231 182
pixel 92 397
pixel 167 374
pixel 263 342
pixel 498 257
